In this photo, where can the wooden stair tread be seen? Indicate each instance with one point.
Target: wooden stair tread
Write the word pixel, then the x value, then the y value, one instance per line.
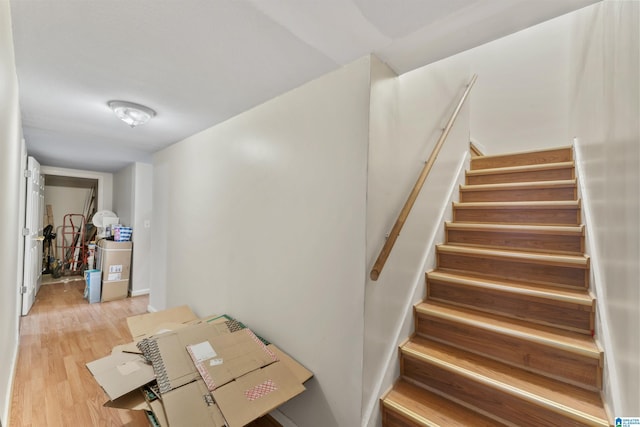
pixel 519 185
pixel 574 261
pixel 549 155
pixel 546 204
pixel 555 395
pixel 574 296
pixel 568 341
pixel 429 409
pixel 577 230
pixel 525 168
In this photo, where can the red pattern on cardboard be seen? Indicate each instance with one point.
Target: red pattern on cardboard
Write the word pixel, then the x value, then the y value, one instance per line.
pixel 260 390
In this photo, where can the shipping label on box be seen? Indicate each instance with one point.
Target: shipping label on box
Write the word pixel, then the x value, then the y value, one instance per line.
pixel 223 358
pixel 169 356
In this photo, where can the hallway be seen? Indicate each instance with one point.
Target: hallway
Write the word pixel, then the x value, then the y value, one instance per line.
pixel 62 332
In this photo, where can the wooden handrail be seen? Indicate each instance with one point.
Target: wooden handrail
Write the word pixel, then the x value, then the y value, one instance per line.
pixel 395 231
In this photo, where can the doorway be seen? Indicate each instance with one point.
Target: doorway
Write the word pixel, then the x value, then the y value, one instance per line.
pixel 70 203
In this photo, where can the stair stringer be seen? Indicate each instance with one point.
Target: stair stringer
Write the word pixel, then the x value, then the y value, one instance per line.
pixel 371 414
pixel 610 390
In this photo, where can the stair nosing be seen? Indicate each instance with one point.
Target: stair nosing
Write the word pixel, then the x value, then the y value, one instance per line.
pixel 570 230
pixel 528 396
pixel 521 168
pixel 571 261
pixel 411 414
pixel 516 288
pixel 502 329
pixel 519 185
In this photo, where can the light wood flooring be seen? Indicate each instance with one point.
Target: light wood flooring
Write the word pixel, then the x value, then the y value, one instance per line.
pixel 52 385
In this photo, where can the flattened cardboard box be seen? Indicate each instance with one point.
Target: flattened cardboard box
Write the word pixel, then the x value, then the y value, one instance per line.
pixel 169 356
pixel 120 373
pixel 146 324
pixel 223 358
pixel 256 394
pixel 192 405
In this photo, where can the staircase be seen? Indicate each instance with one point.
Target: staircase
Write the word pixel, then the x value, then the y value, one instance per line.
pixel 505 334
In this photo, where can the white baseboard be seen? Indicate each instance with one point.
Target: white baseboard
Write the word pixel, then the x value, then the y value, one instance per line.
pixel 7 403
pixel 139 292
pixel 151 309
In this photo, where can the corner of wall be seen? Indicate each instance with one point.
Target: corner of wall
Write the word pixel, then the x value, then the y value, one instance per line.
pixel 610 392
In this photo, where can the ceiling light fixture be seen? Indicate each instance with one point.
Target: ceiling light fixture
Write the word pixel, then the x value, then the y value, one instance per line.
pixel 131 113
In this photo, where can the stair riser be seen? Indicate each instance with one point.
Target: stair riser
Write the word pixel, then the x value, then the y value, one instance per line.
pixel 529 216
pixel 536 357
pixel 522 159
pixel 511 408
pixel 560 314
pixel 515 270
pixel 527 176
pixel 524 195
pixel 392 419
pixel 567 244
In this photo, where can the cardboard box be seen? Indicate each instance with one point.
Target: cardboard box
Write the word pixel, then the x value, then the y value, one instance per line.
pixel 120 373
pixel 169 357
pixel 223 358
pixel 114 259
pixel 115 290
pixel 148 323
pixel 256 394
pixel 192 405
pixel 249 379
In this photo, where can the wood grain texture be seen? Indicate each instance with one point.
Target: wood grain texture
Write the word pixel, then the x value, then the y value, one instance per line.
pixel 514 192
pixel 527 173
pixel 548 239
pixel 52 385
pixel 568 309
pixel 526 213
pixel 512 394
pixel 556 270
pixel 410 405
pixel 558 354
pixel 555 155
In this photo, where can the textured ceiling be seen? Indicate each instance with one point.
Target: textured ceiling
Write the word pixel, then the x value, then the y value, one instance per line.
pixel 200 62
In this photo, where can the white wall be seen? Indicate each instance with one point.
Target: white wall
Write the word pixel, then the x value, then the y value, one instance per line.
pixel 263 217
pixel 142 229
pixel 105 183
pixel 64 200
pixel 123 194
pixel 10 205
pixel 132 195
pixel 407 117
pixel 521 99
pixel 605 114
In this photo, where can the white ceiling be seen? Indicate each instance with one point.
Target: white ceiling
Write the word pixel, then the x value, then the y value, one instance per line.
pixel 200 62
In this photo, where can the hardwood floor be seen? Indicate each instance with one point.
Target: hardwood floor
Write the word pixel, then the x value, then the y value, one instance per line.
pixel 52 386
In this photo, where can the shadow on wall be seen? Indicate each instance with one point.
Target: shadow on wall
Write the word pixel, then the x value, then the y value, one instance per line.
pixel 313 397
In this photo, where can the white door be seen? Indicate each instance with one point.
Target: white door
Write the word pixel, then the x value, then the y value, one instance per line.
pixel 33 235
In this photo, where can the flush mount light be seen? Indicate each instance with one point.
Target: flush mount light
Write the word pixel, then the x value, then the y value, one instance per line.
pixel 131 113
